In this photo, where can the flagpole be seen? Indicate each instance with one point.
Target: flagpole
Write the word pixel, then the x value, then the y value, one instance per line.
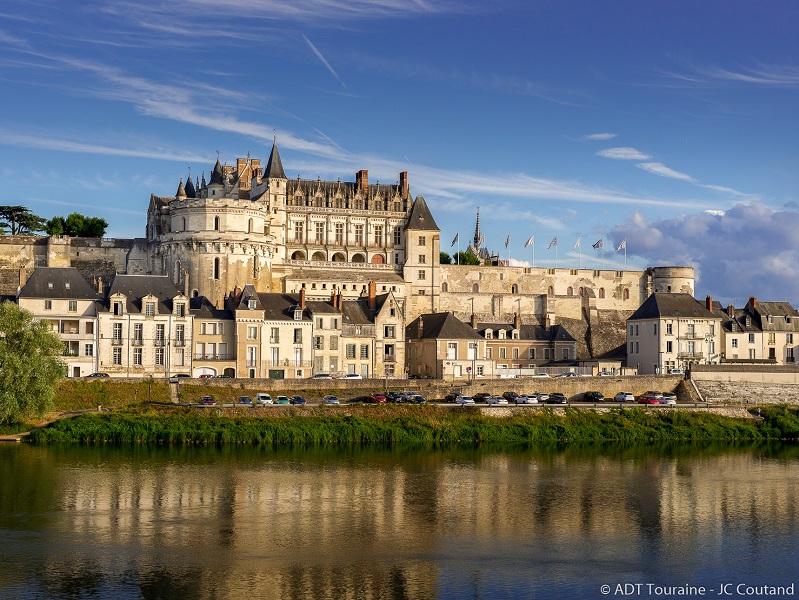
pixel 556 255
pixel 625 255
pixel 458 255
pixel 579 254
pixel 533 253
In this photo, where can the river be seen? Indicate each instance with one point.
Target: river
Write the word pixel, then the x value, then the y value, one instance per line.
pixel 241 522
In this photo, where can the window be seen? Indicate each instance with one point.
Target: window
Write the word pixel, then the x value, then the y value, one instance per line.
pixel 789 338
pixel 180 335
pixel 752 353
pixel 274 336
pixel 334 342
pixel 364 351
pixel 137 356
pixel 690 331
pixel 179 357
pixel 180 309
pixel 216 223
pixel 514 289
pixel 388 331
pixel 503 352
pixel 480 370
pixel 117 308
pixel 712 327
pixel 637 348
pixel 298 335
pixel 565 354
pixel 550 291
pixel 669 347
pixel 422 274
pixel 298 314
pixel 88 350
pixel 117 356
pixel 339 233
pixel 655 328
pixel 138 335
pixel 350 350
pixel 117 337
pixel 601 292
pixel 636 330
pixel 149 309
pixel 397 236
pixel 359 234
pixel 515 353
pixel 298 231
pixel 734 342
pixel 751 338
pixel 570 291
pixel 73 306
pixel 452 350
pixel 422 240
pixel 625 294
pixel 532 353
pixel 319 342
pixel 422 259
pixel 475 288
pixel 252 332
pixel 668 329
pixel 319 232
pixel 48 305
pixel 771 337
pixel 159 356
pixel 691 348
pixel 501 334
pixel 379 235
pixel 159 335
pixel 489 353
pixel 216 268
pixel 546 353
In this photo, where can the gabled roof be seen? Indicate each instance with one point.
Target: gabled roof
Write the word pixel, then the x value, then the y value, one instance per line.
pixel 421 218
pixel 321 307
pixel 280 307
pixel 528 332
pixel 58 283
pixel 201 308
pixel 274 168
pixel 660 305
pixel 440 326
pixel 136 287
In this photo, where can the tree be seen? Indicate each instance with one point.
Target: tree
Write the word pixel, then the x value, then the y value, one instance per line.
pixel 30 365
pixel 445 259
pixel 77 225
pixel 19 220
pixel 466 258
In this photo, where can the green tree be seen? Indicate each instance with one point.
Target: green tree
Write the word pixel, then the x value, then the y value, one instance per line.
pixel 20 220
pixel 466 258
pixel 94 227
pixel 445 259
pixel 55 226
pixel 77 225
pixel 30 365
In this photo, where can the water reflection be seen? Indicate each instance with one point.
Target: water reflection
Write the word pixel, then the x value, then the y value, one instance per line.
pixel 403 523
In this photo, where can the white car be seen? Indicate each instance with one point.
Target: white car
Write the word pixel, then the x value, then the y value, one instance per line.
pixel 541 396
pixel 496 400
pixel 606 374
pixel 537 375
pixel 676 371
pixel 568 374
pixel 351 376
pixel 262 399
pixel 464 400
pixel 624 397
pixel 330 400
pixel 668 398
pixel 525 399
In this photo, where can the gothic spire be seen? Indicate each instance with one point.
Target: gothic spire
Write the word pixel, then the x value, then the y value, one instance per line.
pixel 478 237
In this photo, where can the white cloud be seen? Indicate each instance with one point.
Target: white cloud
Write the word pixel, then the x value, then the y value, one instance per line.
pixel 657 168
pixel 323 60
pixel 623 154
pixel 599 136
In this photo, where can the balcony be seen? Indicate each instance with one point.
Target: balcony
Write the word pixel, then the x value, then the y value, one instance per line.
pixel 138 342
pixel 179 342
pixel 390 358
pixel 690 355
pixel 116 341
pixel 158 342
pixel 218 356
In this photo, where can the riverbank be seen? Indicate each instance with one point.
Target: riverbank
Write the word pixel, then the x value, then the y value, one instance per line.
pixel 398 424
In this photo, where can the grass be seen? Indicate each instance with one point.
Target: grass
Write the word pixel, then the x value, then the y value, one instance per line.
pixel 396 425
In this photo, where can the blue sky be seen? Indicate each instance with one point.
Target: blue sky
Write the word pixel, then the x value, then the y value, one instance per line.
pixel 671 125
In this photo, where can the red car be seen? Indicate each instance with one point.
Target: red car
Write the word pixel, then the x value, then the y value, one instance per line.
pixel 377 397
pixel 648 398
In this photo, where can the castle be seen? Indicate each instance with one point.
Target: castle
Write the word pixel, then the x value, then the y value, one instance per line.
pixel 250 225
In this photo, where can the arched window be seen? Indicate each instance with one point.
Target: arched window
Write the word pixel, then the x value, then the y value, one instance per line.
pixel 550 291
pixel 475 288
pixel 249 226
pixel 601 292
pixel 514 289
pixel 183 224
pixel 570 291
pixel 626 294
pixel 216 268
pixel 216 223
pixel 444 287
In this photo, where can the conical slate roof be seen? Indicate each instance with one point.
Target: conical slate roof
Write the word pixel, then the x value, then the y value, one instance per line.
pixel 421 218
pixel 216 174
pixel 274 168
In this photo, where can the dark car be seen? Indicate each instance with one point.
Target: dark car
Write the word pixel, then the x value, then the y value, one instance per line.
pixel 416 399
pixel 395 397
pixel 298 400
pixel 593 397
pixel 481 396
pixel 224 376
pixel 245 400
pixel 452 396
pixel 96 375
pixel 556 398
pixel 510 396
pixel 208 401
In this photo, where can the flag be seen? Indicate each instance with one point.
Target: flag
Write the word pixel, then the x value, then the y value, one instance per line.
pixel 622 245
pixel 554 242
pixel 507 241
pixel 480 241
pixel 577 244
pixel 598 245
pixel 530 241
pixel 455 241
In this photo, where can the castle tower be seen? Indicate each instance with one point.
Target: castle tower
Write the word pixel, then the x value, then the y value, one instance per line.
pixel 422 262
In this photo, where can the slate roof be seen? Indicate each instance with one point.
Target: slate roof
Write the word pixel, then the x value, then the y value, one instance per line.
pixel 321 307
pixel 274 168
pixel 280 307
pixel 58 283
pixel 528 332
pixel 421 219
pixel 440 326
pixel 202 308
pixel 136 287
pixel 672 305
pixel 311 274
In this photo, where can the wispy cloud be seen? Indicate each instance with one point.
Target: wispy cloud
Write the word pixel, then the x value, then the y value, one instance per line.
pixel 761 75
pixel 623 154
pixel 318 54
pixel 657 168
pixel 599 136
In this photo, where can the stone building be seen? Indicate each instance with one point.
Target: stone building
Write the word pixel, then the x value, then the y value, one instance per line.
pixel 759 332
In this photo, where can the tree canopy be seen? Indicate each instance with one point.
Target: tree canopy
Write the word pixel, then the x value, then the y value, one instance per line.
pixel 445 259
pixel 77 225
pixel 466 258
pixel 19 220
pixel 30 365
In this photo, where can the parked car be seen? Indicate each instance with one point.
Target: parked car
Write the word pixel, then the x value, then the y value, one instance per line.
pixel 593 397
pixel 208 401
pixel 224 376
pixel 330 400
pixel 262 399
pixel 321 376
pixel 96 375
pixel 178 377
pixel 298 400
pixel 463 400
pixel 491 400
pixel 351 376
pixel 510 396
pixel 649 398
pixel 541 396
pixel 245 400
pixel 526 399
pixel 481 396
pixel 396 397
pixel 206 376
pixel 453 397
pixel 377 398
pixel 568 374
pixel 282 400
pixel 676 371
pixel 416 399
pixel 606 374
pixel 537 375
pixel 668 398
pixel 557 398
pixel 624 397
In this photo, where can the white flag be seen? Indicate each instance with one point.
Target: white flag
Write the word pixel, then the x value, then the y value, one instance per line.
pixel 530 241
pixel 598 245
pixel 455 241
pixel 622 245
pixel 576 244
pixel 554 242
pixel 507 241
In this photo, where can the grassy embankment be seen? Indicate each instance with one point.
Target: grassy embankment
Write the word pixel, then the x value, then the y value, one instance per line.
pixel 387 425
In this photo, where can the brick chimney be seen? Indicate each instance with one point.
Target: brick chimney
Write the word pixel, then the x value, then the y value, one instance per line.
pixel 731 310
pixel 752 302
pixel 517 321
pixel 404 184
pixel 333 298
pixel 339 301
pixel 709 303
pixel 302 299
pixel 99 285
pixel 372 299
pixel 420 329
pixel 362 180
pixel 474 321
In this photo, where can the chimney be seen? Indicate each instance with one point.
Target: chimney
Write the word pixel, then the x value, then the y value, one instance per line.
pixel 362 179
pixel 302 299
pixel 752 302
pixel 474 321
pixel 99 285
pixel 23 275
pixel 404 184
pixel 333 298
pixel 236 296
pixel 731 310
pixel 709 303
pixel 186 282
pixel 420 329
pixel 517 321
pixel 339 300
pixel 372 301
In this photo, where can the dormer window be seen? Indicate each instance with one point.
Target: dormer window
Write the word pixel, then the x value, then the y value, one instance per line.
pixel 117 308
pixel 514 334
pixel 180 309
pixel 50 285
pixel 149 309
pixel 251 303
pixel 298 314
pixel 489 334
pixel 770 319
pixel 502 334
pixel 66 285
